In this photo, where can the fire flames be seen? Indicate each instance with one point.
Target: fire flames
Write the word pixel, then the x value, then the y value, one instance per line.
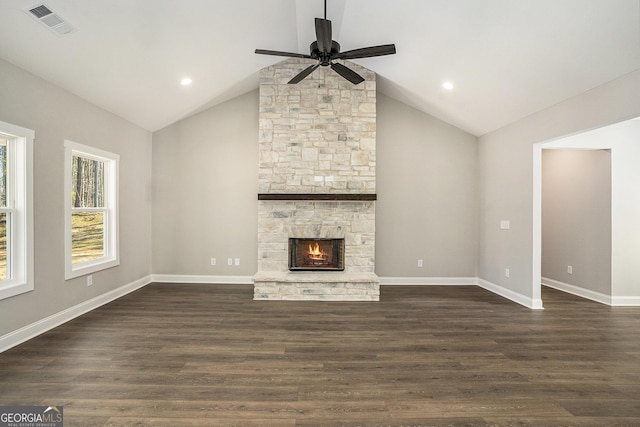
pixel 316 253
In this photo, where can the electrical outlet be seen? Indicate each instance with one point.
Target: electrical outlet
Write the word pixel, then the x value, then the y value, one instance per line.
pixel 237 261
pixel 419 263
pixel 229 261
pixel 569 269
pixel 507 273
pixel 213 261
pixel 90 280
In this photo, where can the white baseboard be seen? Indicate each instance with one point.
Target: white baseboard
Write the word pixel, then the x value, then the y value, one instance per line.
pixel 534 304
pixel 615 301
pixel 248 280
pixel 25 333
pixel 428 281
pixel 625 301
pixel 190 278
pixel 384 281
pixel 576 290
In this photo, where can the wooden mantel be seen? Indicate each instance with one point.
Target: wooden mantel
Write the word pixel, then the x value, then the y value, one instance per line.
pixel 320 197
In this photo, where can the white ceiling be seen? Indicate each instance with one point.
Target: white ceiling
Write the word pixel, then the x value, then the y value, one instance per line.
pixel 507 58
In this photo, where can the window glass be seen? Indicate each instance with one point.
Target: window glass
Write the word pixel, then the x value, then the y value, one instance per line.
pixel 4 273
pixel 91 204
pixel 87 182
pixel 16 210
pixel 87 236
pixel 87 227
pixel 3 172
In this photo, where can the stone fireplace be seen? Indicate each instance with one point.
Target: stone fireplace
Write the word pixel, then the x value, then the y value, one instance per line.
pixel 316 183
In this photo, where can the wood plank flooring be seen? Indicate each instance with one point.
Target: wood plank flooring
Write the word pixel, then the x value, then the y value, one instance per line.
pixel 205 355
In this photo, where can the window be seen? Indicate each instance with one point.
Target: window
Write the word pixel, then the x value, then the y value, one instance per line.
pixel 91 195
pixel 16 210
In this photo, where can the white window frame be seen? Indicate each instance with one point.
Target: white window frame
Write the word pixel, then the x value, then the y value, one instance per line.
pixel 19 210
pixel 111 256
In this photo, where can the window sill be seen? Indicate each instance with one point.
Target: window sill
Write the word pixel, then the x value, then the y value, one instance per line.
pixel 90 268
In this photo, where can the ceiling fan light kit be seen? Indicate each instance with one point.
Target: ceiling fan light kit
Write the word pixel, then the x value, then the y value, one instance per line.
pixel 325 50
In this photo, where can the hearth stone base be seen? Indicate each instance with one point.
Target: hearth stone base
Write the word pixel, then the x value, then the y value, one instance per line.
pixel 308 286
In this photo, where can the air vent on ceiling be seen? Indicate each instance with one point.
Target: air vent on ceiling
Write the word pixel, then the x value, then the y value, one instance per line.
pixel 50 19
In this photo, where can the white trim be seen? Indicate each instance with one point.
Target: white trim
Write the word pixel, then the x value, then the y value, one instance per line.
pixel 577 290
pixel 191 278
pixel 111 210
pixel 90 152
pixel 28 332
pixel 628 301
pixel 248 280
pixel 20 206
pixel 536 226
pixel 532 303
pixel 625 301
pixel 428 281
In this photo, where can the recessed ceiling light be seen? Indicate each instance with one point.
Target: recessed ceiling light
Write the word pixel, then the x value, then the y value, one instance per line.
pixel 186 81
pixel 447 86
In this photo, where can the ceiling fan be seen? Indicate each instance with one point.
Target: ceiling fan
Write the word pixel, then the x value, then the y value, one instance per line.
pixel 326 50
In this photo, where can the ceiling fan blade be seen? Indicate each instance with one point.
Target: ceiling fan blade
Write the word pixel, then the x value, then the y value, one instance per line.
pixel 304 73
pixel 323 35
pixel 278 53
pixel 347 73
pixel 368 52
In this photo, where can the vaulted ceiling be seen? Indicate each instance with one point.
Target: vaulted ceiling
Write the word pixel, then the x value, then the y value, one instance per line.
pixel 507 59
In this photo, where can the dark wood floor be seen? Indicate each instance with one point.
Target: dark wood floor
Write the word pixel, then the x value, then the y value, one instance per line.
pixel 200 355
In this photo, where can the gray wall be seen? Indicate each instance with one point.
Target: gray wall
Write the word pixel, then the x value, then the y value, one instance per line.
pixel 426 205
pixel 506 179
pixel 205 193
pixel 427 195
pixel 56 115
pixel 576 218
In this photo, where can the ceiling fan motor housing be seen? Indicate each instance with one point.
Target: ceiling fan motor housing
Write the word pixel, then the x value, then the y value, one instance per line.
pixel 324 57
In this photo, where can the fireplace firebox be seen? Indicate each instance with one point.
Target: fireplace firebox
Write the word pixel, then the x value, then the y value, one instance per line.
pixel 316 254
